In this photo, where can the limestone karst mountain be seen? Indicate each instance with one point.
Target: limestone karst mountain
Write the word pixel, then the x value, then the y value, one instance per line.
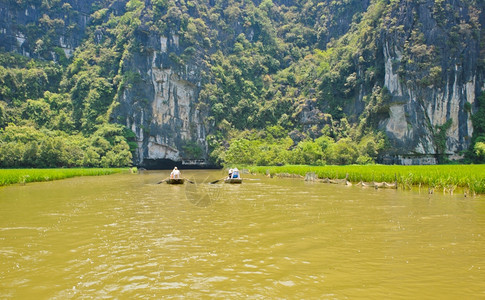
pixel 183 76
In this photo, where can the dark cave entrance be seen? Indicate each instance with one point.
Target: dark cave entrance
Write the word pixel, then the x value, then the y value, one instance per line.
pixel 160 164
pixel 168 164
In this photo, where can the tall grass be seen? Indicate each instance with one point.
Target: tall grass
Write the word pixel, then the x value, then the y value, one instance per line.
pixel 471 177
pixel 12 176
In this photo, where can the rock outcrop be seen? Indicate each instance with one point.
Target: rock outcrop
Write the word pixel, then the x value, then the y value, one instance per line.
pixel 161 108
pixel 36 29
pixel 431 67
pixel 430 52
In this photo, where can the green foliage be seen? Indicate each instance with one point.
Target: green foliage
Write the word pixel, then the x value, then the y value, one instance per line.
pixel 439 135
pixel 344 152
pixel 57 113
pixel 263 67
pixel 2 115
pixel 192 150
pixel 250 81
pixel 38 111
pixel 241 151
pixel 479 150
pixel 43 121
pixel 28 147
pixel 479 117
pixel 475 153
pixel 272 147
pixel 22 79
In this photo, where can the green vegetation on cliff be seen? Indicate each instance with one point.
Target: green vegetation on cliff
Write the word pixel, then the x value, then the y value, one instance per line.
pixel 38 121
pixel 273 146
pixel 278 82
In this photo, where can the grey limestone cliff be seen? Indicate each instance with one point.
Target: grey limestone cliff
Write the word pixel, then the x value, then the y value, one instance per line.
pixel 430 55
pixel 431 67
pixel 37 28
pixel 161 107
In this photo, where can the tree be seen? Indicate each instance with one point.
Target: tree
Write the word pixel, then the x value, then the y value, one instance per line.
pixel 479 150
pixel 37 111
pixel 344 152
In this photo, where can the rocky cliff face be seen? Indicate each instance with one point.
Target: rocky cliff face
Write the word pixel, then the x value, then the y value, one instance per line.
pixel 431 67
pixel 36 29
pixel 430 52
pixel 161 107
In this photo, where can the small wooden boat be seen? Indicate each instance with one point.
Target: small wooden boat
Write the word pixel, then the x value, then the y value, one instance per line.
pixel 233 180
pixel 175 181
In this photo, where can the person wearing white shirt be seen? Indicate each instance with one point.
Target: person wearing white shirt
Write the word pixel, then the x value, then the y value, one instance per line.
pixel 175 173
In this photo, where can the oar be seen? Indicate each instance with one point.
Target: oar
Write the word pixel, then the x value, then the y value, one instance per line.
pixel 189 180
pixel 163 180
pixel 216 181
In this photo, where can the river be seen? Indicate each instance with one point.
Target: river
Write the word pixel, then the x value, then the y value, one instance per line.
pixel 124 236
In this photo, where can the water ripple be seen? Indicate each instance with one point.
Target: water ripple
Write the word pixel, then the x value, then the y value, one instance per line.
pixel 127 237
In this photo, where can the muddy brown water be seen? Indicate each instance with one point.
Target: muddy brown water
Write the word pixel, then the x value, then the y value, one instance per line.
pixel 125 237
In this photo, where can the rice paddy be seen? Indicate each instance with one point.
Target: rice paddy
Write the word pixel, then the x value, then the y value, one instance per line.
pixel 445 177
pixel 23 176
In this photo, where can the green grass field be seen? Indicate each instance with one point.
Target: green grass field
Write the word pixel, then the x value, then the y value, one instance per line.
pixel 12 176
pixel 468 177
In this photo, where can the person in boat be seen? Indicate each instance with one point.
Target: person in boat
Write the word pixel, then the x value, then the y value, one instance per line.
pixel 230 173
pixel 175 174
pixel 235 173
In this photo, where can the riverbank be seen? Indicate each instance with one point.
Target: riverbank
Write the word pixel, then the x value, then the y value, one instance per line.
pixel 23 176
pixel 471 178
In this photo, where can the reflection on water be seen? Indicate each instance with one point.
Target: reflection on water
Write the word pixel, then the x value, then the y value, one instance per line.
pixel 202 192
pixel 124 236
